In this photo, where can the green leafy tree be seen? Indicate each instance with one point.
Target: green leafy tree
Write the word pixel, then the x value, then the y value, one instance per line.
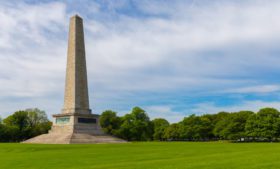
pixel 264 124
pixel 196 128
pixel 159 126
pixel 2 133
pixel 215 118
pixel 25 124
pixel 136 126
pixel 9 133
pixel 37 121
pixel 18 119
pixel 172 132
pixel 19 122
pixel 110 122
pixel 125 130
pixel 233 125
pixel 36 116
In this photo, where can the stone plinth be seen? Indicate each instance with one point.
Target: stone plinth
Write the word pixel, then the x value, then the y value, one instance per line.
pixel 75 129
pixel 77 123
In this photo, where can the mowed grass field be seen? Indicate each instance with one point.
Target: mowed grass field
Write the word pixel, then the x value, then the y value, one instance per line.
pixel 142 155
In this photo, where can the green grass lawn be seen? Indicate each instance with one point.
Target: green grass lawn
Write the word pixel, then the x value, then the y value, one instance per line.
pixel 146 155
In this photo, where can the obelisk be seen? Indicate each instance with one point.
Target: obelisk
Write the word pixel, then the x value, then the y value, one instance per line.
pixel 76 123
pixel 76 89
pixel 76 115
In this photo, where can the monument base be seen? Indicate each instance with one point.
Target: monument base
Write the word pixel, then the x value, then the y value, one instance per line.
pixel 74 128
pixel 73 138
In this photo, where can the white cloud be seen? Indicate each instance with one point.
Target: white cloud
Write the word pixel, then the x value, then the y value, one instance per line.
pixel 25 24
pixel 256 89
pixel 163 111
pixel 256 105
pixel 176 47
pixel 156 49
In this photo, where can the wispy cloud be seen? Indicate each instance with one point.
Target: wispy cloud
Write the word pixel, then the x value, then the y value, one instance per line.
pixel 255 106
pixel 256 89
pixel 164 111
pixel 179 49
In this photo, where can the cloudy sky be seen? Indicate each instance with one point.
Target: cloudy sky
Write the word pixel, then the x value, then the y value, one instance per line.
pixel 172 58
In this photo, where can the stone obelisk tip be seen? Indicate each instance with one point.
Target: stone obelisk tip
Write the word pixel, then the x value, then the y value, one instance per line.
pixel 76 16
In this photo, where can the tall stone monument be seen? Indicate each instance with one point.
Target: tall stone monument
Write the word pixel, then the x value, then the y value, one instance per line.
pixel 76 123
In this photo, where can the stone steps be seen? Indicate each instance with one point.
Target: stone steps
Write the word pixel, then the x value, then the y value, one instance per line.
pixel 86 138
pixel 73 138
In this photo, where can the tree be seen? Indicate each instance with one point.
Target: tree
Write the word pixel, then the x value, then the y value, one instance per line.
pixel 36 116
pixel 136 126
pixel 215 118
pixel 109 121
pixel 23 125
pixel 232 126
pixel 2 133
pixel 18 119
pixel 196 128
pixel 19 122
pixel 9 133
pixel 264 124
pixel 172 132
pixel 269 112
pixel 159 126
pixel 38 121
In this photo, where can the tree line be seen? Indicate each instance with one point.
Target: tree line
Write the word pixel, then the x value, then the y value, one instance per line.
pixel 237 126
pixel 263 125
pixel 24 124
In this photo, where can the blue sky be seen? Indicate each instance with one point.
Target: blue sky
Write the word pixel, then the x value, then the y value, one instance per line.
pixel 172 58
